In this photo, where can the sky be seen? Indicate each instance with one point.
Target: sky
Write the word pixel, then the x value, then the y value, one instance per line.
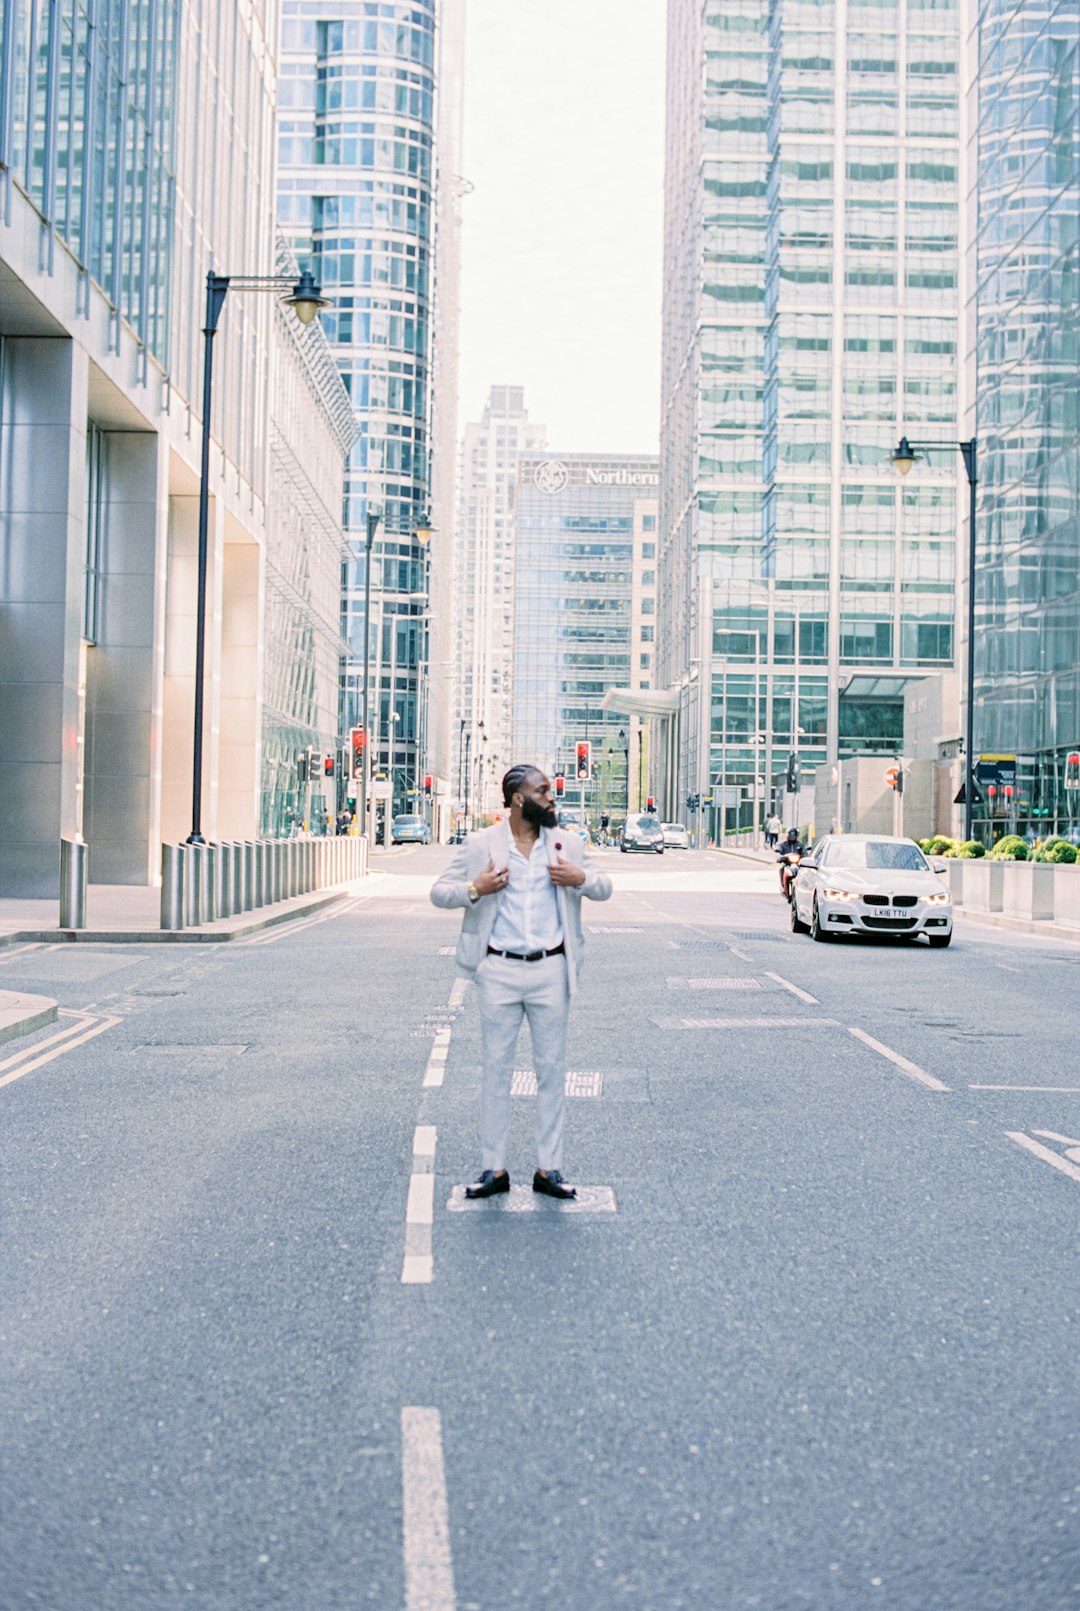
pixel 562 232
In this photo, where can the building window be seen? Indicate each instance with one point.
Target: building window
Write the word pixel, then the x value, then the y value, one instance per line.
pixel 648 578
pixel 648 606
pixel 648 523
pixel 648 550
pixel 647 634
pixel 645 662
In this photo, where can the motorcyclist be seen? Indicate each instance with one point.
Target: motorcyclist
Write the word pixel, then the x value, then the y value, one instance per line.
pixel 791 846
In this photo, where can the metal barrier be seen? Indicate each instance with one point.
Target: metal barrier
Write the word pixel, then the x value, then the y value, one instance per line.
pixel 200 883
pixel 73 863
pixel 173 868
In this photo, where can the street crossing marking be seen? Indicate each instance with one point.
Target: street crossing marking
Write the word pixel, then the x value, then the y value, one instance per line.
pixel 447 950
pixel 1062 1090
pixel 1069 1164
pixel 429 1568
pixel 912 1070
pixel 523 1200
pixel 612 928
pixel 746 1023
pixel 727 982
pixel 77 1034
pixel 419 1266
pixel 803 995
pixel 579 1082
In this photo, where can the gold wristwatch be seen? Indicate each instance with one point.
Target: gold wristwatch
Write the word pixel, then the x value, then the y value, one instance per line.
pixel 473 893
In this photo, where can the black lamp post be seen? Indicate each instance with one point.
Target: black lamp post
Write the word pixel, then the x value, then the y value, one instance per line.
pixel 306 300
pixel 906 455
pixel 626 777
pixel 374 515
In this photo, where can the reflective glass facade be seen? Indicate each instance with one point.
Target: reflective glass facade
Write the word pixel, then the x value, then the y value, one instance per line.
pixel 87 126
pixel 355 196
pixel 1026 171
pixel 578 520
pixel 811 317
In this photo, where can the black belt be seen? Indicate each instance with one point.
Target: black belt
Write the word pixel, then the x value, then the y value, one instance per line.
pixel 528 956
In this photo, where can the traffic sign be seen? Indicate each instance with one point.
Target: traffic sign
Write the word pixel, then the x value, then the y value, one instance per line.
pixel 891 775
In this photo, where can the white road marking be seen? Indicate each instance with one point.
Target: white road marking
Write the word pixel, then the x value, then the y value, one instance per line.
pixel 745 1023
pixel 18 951
pixel 66 1041
pixel 737 951
pixel 803 995
pixel 435 1071
pixel 297 926
pixel 418 1268
pixel 1052 1135
pixel 1055 1159
pixel 1062 1090
pixel 429 1568
pixel 523 1200
pixel 579 1082
pixel 720 983
pixel 457 993
pixel 912 1070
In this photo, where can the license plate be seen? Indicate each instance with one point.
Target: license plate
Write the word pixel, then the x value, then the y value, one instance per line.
pixel 892 911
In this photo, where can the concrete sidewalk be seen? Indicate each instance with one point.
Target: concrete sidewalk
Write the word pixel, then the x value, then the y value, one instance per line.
pixel 130 914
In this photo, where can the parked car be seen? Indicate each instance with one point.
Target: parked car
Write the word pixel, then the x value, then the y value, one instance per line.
pixel 409 830
pixel 642 833
pixel 675 836
pixel 870 884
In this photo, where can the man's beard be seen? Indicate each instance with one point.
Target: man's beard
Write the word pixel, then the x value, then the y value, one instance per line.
pixel 540 816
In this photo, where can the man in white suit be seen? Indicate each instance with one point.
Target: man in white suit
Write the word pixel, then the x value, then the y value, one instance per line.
pixel 521 884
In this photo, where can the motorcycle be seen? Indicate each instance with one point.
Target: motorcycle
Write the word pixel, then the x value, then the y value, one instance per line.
pixel 789 866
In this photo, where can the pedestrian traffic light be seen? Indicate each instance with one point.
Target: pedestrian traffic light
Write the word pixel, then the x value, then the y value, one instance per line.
pixel 328 766
pixel 357 745
pixel 584 762
pixel 427 784
pixel 792 779
pixel 560 784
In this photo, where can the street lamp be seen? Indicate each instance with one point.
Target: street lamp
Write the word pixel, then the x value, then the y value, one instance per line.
pixel 374 515
pixel 423 534
pixel 626 758
pixel 306 301
pixel 906 455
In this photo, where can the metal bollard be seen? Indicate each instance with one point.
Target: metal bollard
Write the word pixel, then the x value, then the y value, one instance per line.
pixel 277 881
pixel 294 868
pixel 73 859
pixel 209 889
pixel 172 886
pixel 238 878
pixel 223 880
pixel 262 871
pixel 194 875
pixel 247 875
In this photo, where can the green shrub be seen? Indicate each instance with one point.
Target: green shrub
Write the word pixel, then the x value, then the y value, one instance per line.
pixel 970 850
pixel 940 845
pixel 1010 848
pixel 1058 851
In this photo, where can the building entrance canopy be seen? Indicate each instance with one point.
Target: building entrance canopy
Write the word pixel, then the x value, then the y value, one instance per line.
pixel 644 703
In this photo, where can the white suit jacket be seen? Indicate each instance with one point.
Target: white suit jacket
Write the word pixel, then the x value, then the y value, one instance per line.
pixel 493 845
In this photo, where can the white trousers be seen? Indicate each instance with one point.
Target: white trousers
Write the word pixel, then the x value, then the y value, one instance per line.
pixel 509 991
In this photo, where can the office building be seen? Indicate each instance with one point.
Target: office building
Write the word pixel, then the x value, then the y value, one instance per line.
pixel 1023 330
pixel 114 203
pixel 355 188
pixel 484 601
pixel 810 317
pixel 585 618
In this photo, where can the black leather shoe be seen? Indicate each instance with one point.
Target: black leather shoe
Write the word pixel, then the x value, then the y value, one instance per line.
pixel 489 1184
pixel 552 1184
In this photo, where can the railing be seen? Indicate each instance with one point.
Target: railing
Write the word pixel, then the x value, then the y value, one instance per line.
pixel 201 883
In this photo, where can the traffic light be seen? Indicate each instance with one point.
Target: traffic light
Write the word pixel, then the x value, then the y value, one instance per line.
pixel 792 779
pixel 560 784
pixel 302 768
pixel 693 802
pixel 328 766
pixel 427 784
pixel 650 804
pixel 584 761
pixel 357 744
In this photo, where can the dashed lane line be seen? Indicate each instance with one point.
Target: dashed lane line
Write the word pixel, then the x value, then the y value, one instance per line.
pixel 36 1056
pixel 435 1071
pixel 419 1266
pixel 1061 1090
pixel 803 995
pixel 18 952
pixel 429 1567
pixel 282 930
pixel 912 1070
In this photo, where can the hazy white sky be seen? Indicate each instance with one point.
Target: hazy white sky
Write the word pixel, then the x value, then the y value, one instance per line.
pixel 561 253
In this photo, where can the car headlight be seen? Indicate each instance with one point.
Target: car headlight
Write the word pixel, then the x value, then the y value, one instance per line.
pixel 839 895
pixel 941 898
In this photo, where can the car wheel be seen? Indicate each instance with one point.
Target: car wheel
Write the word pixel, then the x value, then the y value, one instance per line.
pixel 940 941
pixel 816 930
pixel 659 850
pixel 797 925
pixel 623 848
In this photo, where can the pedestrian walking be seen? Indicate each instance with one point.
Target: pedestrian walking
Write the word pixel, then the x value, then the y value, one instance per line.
pixel 520 884
pixel 773 829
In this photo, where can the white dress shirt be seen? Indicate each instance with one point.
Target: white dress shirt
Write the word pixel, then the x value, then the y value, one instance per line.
pixel 527 918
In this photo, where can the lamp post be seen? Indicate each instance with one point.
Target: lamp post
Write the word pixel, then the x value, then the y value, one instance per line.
pixel 626 779
pixel 423 534
pixel 306 300
pixel 374 515
pixel 468 772
pixel 906 455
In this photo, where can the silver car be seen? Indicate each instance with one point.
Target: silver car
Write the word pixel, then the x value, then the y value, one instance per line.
pixel 870 884
pixel 675 836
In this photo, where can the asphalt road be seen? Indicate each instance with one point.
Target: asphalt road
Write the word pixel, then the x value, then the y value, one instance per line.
pixel 822 1354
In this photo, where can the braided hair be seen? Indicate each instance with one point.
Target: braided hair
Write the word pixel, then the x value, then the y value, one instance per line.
pixel 513 780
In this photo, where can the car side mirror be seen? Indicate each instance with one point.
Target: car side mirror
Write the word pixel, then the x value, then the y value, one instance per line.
pixel 941 867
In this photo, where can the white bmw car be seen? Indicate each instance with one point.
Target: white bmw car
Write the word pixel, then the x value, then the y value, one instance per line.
pixel 858 883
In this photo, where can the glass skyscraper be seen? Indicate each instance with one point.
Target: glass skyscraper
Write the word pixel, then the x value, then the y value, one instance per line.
pixel 811 316
pixel 356 98
pixel 1025 164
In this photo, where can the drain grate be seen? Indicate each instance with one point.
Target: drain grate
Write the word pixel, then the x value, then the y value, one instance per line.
pixel 579 1082
pixel 762 934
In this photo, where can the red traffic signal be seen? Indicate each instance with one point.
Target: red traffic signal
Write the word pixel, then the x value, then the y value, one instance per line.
pixel 650 804
pixel 357 744
pixel 560 784
pixel 584 762
pixel 427 784
pixel 328 766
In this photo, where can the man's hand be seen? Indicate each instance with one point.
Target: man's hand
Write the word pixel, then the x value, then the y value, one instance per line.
pixel 566 874
pixel 491 880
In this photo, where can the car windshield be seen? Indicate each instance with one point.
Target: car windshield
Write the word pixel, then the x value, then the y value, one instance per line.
pixel 407 822
pixel 878 854
pixel 649 824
